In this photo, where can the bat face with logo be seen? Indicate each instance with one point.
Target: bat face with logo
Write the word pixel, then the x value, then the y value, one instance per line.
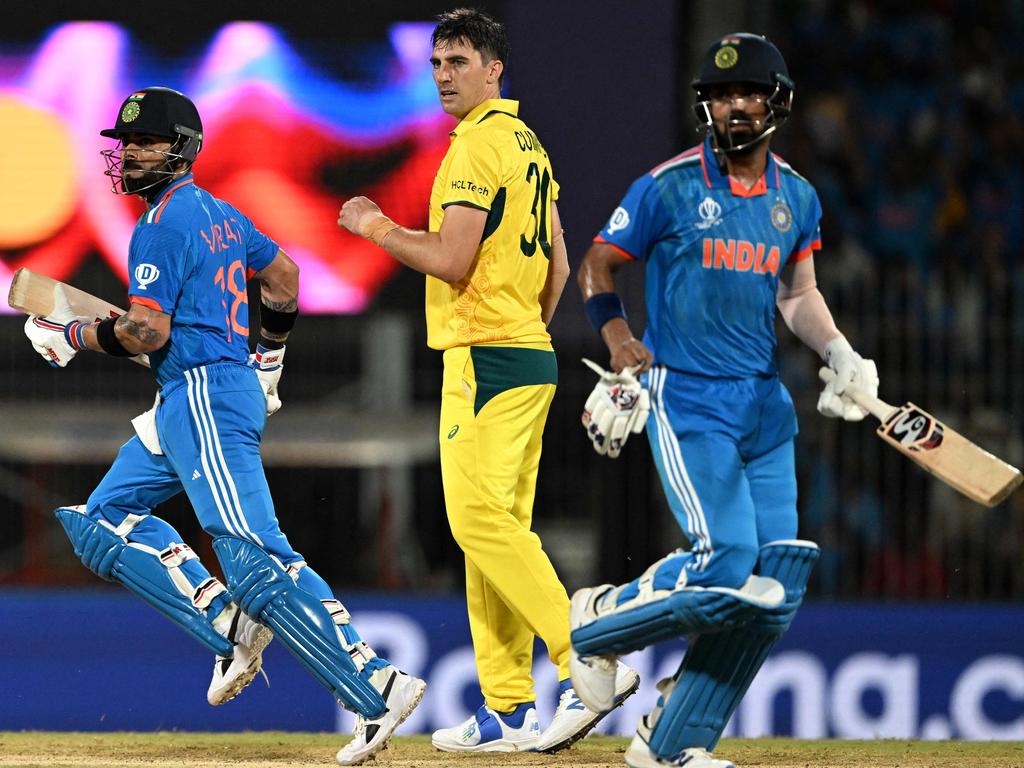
pixel 32 293
pixel 942 451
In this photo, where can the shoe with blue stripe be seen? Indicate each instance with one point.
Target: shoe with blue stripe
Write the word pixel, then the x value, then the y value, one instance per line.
pixel 490 731
pixel 573 719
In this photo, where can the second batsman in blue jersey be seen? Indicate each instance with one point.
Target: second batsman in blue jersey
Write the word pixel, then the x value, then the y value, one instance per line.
pixel 727 232
pixel 189 260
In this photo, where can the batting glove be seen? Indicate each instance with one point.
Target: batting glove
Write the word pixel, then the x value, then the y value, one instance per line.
pixel 850 368
pixel 268 364
pixel 617 408
pixel 58 336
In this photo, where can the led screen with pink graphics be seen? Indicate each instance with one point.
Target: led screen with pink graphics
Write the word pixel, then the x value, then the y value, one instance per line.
pixel 286 141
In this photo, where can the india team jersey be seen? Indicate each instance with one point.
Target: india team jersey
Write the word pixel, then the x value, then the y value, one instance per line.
pixel 495 163
pixel 190 257
pixel 714 251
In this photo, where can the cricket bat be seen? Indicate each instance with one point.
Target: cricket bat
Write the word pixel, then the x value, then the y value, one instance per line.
pixel 32 293
pixel 948 455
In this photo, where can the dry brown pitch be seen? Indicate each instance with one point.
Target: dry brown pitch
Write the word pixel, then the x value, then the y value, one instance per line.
pixel 306 750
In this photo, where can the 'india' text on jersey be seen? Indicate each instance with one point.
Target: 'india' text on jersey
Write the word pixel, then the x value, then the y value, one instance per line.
pixel 714 251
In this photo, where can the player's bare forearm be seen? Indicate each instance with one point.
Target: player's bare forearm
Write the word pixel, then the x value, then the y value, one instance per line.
pixel 597 271
pixel 279 291
pixel 558 276
pixel 140 331
pixel 803 308
pixel 426 253
pixel 597 276
pixel 447 254
pixel 558 269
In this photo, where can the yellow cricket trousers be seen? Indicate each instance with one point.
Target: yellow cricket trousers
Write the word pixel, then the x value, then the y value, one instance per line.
pixel 494 403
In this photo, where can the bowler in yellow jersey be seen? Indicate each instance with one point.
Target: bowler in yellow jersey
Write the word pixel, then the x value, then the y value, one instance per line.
pixel 496 264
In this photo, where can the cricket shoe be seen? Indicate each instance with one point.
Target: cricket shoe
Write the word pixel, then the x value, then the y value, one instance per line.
pixel 490 731
pixel 595 678
pixel 232 674
pixel 573 719
pixel 401 694
pixel 639 754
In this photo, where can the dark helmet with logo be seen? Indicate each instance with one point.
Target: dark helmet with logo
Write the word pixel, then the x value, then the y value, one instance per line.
pixel 743 57
pixel 157 111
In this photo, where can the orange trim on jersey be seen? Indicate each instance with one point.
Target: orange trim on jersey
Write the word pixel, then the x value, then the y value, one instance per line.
pixel 703 167
pixel 613 246
pixel 760 187
pixel 163 203
pixel 677 158
pixel 808 251
pixel 250 273
pixel 144 302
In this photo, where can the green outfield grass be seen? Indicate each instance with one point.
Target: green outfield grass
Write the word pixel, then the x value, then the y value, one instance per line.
pixel 285 750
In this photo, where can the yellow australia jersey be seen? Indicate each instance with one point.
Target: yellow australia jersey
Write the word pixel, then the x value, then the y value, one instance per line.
pixel 495 163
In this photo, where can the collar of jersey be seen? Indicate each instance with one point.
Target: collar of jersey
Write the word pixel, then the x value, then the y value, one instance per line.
pixel 176 184
pixel 715 179
pixel 480 112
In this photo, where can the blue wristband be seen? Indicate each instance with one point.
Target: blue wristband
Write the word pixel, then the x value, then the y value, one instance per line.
pixel 73 334
pixel 602 307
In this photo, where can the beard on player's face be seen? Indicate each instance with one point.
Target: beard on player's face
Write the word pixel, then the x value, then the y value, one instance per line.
pixel 144 176
pixel 135 179
pixel 746 132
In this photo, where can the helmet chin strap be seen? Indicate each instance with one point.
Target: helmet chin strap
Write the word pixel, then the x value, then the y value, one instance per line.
pixel 739 148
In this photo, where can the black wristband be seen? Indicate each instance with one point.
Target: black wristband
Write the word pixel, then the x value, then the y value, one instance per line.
pixel 108 339
pixel 275 321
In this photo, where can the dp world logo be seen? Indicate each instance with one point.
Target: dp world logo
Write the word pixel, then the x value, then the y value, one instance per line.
pixel 710 213
pixel 619 220
pixel 146 274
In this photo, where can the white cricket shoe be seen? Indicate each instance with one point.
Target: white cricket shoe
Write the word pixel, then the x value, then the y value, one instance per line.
pixel 639 755
pixel 593 677
pixel 401 694
pixel 232 674
pixel 490 731
pixel 573 719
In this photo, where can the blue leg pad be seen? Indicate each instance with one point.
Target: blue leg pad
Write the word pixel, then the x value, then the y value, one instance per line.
pixel 717 670
pixel 142 571
pixel 656 615
pixel 299 620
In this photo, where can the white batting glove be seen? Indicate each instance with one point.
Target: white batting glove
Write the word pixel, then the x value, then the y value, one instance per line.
pixel 850 368
pixel 268 364
pixel 58 336
pixel 617 408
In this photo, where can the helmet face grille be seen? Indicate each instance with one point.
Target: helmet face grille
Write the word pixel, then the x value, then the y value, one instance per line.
pixel 155 111
pixel 743 57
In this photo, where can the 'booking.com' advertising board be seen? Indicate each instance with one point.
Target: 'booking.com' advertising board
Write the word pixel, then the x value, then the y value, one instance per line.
pixel 103 661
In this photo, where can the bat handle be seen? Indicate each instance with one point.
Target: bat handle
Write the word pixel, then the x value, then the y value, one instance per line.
pixel 878 408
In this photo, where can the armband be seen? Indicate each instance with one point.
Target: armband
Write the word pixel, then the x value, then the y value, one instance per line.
pixel 602 307
pixel 380 229
pixel 277 322
pixel 107 339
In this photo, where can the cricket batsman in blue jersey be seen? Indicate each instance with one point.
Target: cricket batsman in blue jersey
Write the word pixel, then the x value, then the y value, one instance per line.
pixel 188 263
pixel 728 232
